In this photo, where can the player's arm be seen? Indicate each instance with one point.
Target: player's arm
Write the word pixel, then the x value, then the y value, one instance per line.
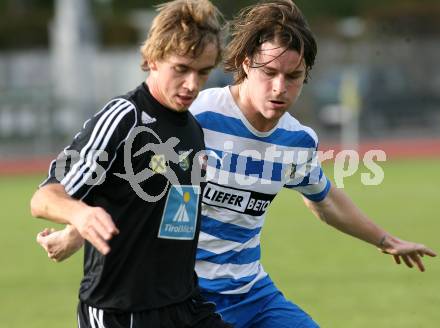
pixel 337 210
pixel 81 167
pixel 51 202
pixel 60 244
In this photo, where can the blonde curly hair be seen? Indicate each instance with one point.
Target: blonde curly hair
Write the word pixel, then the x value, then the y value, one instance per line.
pixel 183 27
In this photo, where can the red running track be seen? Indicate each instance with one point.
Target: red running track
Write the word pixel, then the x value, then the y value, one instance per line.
pixel 395 149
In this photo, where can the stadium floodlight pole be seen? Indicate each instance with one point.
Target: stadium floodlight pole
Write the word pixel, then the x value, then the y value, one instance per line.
pixel 72 47
pixel 351 29
pixel 350 99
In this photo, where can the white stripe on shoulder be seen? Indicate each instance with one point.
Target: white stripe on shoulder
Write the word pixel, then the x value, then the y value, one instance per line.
pixel 114 156
pixel 100 143
pixel 92 157
pixel 106 105
pixel 93 137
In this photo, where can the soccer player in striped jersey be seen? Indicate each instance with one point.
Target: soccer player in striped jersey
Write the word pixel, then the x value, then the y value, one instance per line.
pixel 141 235
pixel 255 148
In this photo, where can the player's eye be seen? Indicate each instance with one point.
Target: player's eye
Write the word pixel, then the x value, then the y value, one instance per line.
pixel 180 69
pixel 204 72
pixel 295 76
pixel 269 73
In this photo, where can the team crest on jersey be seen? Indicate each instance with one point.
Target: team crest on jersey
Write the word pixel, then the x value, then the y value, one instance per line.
pixel 179 219
pixel 158 164
pixel 184 159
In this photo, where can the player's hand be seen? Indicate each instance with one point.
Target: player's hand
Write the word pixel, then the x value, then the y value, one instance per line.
pixel 408 252
pixel 95 225
pixel 60 244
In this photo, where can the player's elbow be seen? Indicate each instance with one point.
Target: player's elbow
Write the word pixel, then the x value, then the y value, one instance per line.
pixel 36 205
pixel 318 208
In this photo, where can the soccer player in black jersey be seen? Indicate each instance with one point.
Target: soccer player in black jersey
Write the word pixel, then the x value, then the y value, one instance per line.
pixel 128 184
pixel 271 52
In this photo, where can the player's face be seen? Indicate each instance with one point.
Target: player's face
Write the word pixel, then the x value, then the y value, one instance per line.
pixel 176 80
pixel 274 87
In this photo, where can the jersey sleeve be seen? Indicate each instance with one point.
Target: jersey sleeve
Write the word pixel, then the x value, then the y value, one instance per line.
pixel 84 163
pixel 306 176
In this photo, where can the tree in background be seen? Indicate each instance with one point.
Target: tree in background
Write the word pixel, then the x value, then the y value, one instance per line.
pixel 27 20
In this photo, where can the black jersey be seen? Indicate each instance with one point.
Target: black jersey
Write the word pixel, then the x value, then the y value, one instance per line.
pixel 151 262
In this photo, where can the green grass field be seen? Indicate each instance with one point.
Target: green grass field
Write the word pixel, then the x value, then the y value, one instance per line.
pixel 340 281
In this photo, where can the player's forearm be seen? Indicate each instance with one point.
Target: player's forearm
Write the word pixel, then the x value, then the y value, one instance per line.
pixel 73 236
pixel 52 203
pixel 340 212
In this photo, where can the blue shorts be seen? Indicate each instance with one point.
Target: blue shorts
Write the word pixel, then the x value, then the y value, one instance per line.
pixel 264 307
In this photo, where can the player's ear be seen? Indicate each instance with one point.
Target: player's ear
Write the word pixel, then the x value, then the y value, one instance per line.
pixel 152 65
pixel 246 65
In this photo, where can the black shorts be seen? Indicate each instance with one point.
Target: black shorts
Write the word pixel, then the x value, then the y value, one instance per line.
pixel 195 312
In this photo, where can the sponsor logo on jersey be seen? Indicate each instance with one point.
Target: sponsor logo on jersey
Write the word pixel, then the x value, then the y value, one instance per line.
pixel 147 119
pixel 179 219
pixel 158 164
pixel 237 200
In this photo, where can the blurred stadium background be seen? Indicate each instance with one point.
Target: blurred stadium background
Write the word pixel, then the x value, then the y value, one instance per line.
pixel 376 84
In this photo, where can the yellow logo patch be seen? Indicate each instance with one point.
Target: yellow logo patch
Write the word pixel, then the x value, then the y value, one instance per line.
pixel 158 164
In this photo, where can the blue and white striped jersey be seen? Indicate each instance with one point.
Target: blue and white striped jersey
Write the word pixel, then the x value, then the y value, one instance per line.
pixel 246 169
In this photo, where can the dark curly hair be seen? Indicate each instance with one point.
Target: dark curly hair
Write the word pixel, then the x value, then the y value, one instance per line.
pixel 279 21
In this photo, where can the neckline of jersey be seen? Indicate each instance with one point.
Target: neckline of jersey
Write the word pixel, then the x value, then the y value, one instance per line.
pixel 178 117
